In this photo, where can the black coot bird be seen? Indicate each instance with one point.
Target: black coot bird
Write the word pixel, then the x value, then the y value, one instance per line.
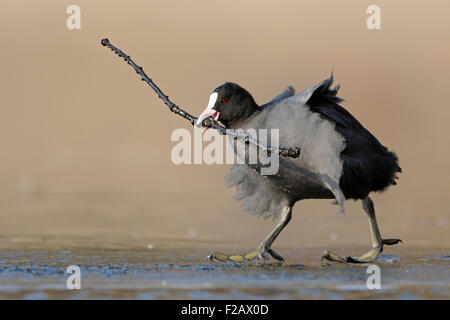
pixel 339 159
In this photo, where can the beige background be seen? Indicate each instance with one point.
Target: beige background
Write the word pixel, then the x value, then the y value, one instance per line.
pixel 85 146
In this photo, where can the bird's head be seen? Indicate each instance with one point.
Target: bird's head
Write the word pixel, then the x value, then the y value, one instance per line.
pixel 229 104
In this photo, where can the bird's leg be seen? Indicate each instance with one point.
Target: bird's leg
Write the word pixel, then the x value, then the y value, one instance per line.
pixel 377 241
pixel 264 249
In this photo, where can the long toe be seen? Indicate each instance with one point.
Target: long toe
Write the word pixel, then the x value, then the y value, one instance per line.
pixel 223 257
pixel 260 254
pixel 333 257
pixel 275 255
pixel 354 260
pixel 218 257
pixel 391 242
pixel 367 257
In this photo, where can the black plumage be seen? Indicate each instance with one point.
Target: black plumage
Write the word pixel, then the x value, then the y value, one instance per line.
pixel 367 164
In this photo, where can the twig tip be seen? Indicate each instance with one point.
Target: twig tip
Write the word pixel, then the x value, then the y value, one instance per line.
pixel 104 42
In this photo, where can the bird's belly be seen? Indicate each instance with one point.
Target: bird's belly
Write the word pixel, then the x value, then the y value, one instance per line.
pixel 298 182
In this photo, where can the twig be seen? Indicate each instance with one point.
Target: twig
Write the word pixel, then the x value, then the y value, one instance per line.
pixel 292 152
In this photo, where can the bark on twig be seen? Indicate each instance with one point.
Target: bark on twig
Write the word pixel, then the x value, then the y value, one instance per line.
pixel 291 152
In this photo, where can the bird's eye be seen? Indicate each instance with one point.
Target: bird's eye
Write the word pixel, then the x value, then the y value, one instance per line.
pixel 224 100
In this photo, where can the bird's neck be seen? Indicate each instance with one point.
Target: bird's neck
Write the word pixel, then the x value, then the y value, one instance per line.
pixel 248 111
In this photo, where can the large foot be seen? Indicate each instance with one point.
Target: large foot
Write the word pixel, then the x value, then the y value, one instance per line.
pixel 264 251
pixel 368 257
pixel 262 254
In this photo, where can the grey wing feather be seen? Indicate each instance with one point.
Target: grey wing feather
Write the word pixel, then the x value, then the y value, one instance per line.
pixel 288 92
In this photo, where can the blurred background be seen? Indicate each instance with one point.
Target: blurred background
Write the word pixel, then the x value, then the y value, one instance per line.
pixel 85 145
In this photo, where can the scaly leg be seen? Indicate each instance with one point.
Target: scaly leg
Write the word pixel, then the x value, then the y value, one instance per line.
pixel 377 241
pixel 264 249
